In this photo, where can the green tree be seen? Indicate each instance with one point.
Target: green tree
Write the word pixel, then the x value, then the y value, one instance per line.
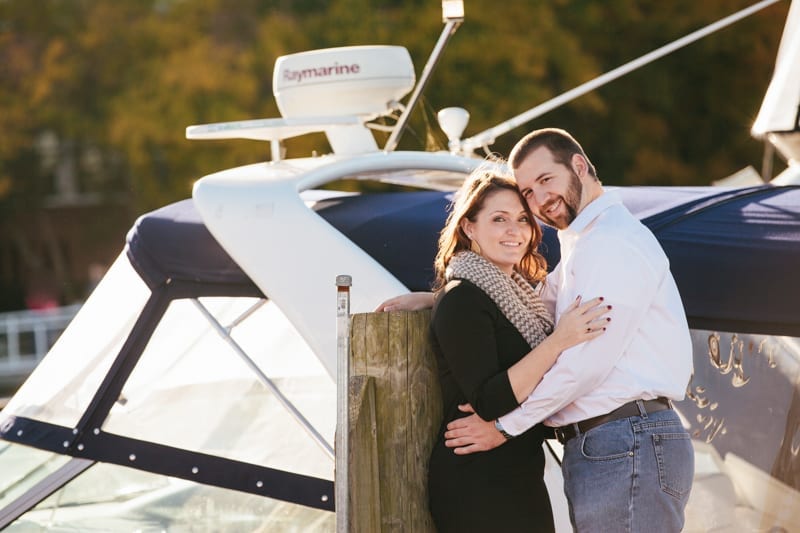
pixel 96 94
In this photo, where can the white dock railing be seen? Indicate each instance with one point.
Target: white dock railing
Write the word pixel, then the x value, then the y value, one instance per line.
pixel 25 338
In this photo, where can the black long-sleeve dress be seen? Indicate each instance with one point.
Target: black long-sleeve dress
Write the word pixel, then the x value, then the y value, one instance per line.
pixel 502 489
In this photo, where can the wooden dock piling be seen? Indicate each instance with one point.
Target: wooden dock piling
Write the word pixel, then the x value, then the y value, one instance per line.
pixel 395 412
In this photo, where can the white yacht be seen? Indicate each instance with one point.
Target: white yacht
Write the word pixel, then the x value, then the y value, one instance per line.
pixel 196 389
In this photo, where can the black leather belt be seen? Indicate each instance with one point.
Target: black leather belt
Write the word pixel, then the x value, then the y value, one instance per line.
pixel 564 433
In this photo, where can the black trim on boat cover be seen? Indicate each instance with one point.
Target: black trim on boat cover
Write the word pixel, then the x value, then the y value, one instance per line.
pixel 174 462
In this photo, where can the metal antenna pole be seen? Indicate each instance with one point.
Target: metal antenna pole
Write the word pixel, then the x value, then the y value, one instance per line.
pixel 487 137
pixel 341 475
pixel 453 20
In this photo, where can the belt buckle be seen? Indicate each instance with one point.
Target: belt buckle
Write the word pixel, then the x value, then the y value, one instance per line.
pixel 561 433
pixel 560 437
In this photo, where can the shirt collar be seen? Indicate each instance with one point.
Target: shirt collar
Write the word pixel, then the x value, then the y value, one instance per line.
pixel 589 213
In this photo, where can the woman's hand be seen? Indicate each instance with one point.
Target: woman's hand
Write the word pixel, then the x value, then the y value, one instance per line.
pixel 412 301
pixel 581 322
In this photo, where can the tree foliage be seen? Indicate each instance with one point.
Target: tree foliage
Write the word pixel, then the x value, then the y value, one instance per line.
pixel 124 78
pixel 96 94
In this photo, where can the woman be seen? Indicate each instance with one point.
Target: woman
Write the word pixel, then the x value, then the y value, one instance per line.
pixel 486 319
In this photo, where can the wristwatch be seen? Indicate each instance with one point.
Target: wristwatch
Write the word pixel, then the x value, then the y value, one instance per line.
pixel 499 427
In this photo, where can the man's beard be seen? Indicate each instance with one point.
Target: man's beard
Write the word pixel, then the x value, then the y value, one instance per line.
pixel 571 201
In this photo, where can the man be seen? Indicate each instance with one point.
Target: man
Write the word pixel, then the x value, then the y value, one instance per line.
pixel 628 462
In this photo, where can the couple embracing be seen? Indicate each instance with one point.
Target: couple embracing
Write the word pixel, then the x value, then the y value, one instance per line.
pixel 592 354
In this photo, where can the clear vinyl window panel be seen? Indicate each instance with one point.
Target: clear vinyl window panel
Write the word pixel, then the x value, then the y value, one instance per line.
pixel 192 390
pixel 64 383
pixel 22 467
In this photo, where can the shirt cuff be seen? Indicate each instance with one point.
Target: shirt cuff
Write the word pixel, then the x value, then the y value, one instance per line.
pixel 517 422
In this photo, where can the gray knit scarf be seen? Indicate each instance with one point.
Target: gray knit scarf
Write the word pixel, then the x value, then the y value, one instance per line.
pixel 514 296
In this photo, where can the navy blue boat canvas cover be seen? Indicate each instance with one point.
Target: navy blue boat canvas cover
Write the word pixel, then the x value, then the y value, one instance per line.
pixel 172 243
pixel 734 252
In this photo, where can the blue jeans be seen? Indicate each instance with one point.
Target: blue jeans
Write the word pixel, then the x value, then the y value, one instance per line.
pixel 632 474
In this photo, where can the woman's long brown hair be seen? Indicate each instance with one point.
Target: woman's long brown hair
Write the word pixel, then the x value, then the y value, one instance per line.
pixel 468 202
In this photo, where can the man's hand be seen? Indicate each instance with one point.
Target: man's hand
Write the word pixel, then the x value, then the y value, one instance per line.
pixel 472 434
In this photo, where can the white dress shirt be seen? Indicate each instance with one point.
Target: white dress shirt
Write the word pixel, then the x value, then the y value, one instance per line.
pixel 646 350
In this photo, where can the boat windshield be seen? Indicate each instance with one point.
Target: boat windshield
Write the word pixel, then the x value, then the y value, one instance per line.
pixel 115 498
pixel 81 357
pixel 24 467
pixel 193 388
pixel 226 377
